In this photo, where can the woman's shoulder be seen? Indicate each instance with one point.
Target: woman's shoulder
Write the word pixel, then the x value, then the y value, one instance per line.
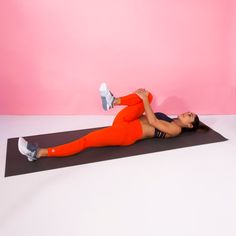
pixel 175 131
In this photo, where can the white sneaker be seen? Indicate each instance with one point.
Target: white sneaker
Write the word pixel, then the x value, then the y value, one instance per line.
pixel 27 149
pixel 106 96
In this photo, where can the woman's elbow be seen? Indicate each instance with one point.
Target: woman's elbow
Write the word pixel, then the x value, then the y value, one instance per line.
pixel 153 122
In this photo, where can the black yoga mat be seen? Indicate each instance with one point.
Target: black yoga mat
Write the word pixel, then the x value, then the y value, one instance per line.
pixel 17 164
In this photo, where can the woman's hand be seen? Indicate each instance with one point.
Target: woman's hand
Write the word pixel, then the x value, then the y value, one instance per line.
pixel 142 93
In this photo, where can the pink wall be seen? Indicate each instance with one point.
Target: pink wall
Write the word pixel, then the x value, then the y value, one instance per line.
pixel 54 54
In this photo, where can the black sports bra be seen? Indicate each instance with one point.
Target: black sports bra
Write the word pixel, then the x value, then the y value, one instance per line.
pixel 161 116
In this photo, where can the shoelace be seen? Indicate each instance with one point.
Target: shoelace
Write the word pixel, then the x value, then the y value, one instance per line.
pixel 33 149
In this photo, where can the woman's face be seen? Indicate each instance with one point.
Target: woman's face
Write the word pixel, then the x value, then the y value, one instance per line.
pixel 187 118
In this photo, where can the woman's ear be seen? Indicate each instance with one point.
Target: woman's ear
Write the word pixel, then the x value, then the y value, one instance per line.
pixel 190 126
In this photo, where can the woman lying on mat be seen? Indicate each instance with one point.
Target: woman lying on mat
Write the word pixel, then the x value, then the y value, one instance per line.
pixel 129 126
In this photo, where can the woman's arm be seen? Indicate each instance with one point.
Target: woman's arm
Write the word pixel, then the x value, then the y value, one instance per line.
pixel 162 125
pixel 148 111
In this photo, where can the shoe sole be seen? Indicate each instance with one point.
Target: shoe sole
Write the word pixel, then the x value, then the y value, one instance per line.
pixel 21 146
pixel 104 90
pixel 104 103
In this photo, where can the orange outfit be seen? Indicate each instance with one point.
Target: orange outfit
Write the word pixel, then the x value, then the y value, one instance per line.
pixel 125 130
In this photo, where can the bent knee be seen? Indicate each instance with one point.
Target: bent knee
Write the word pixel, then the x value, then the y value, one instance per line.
pixel 150 97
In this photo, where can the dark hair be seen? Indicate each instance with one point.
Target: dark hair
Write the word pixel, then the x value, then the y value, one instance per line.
pixel 197 126
pixel 195 123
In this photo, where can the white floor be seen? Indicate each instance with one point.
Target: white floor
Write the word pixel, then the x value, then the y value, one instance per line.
pixel 189 191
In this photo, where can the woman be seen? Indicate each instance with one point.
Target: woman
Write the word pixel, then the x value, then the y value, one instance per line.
pixel 129 126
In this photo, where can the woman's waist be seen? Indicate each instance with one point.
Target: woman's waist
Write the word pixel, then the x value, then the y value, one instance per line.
pixel 148 130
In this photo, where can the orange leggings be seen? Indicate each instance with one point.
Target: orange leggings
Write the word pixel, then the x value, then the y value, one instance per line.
pixel 125 130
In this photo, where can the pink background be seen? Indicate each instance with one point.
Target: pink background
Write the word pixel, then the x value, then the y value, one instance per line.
pixel 54 54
